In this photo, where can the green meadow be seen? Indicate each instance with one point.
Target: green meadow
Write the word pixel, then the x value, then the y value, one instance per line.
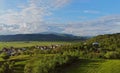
pixel 29 44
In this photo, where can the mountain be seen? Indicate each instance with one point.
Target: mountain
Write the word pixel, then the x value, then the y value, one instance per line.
pixel 41 37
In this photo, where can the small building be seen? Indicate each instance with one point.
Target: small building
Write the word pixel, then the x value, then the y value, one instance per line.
pixel 96 47
pixel 95 44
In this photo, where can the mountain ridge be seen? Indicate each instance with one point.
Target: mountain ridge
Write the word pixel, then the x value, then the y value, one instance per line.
pixel 41 37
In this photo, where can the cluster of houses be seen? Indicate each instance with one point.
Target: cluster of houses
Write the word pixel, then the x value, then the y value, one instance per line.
pixel 48 47
pixel 13 51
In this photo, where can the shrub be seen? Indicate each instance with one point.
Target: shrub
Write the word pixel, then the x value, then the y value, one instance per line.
pixel 112 55
pixel 4 56
pixel 7 67
pixel 47 63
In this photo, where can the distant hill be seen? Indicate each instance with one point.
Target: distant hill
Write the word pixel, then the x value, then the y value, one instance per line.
pixel 41 37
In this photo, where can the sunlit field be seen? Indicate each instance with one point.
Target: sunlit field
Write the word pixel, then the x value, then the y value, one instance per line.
pixel 29 44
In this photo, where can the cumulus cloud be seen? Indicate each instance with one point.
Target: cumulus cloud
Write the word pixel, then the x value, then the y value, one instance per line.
pixel 102 25
pixel 30 17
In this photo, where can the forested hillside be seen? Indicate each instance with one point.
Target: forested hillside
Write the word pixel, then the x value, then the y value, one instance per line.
pixel 41 37
pixel 108 41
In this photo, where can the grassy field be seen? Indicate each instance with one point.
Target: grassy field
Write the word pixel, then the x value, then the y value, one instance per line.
pixel 28 44
pixel 94 66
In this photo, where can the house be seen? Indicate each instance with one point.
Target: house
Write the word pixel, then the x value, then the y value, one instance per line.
pixel 95 44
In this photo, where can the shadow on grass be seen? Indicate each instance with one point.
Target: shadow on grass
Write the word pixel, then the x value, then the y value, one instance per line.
pixel 82 66
pixel 19 68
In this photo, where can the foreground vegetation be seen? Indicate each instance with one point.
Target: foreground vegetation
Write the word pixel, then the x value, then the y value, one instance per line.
pixel 75 57
pixel 94 66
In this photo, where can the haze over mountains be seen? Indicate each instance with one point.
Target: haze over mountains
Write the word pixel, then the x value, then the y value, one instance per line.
pixel 41 37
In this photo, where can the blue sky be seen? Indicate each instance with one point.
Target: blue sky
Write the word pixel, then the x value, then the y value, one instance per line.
pixel 78 17
pixel 89 9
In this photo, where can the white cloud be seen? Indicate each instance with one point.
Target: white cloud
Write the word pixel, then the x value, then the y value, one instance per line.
pixel 91 11
pixel 103 25
pixel 60 3
pixel 30 17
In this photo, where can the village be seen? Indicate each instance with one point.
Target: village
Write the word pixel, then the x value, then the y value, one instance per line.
pixel 12 51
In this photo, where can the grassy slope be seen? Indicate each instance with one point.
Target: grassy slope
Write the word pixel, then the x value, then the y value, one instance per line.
pixel 94 66
pixel 111 66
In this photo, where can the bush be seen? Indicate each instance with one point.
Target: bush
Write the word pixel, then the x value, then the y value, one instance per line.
pixel 7 67
pixel 112 55
pixel 4 56
pixel 47 63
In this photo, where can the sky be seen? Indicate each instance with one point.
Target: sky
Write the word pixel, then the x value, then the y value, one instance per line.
pixel 78 17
